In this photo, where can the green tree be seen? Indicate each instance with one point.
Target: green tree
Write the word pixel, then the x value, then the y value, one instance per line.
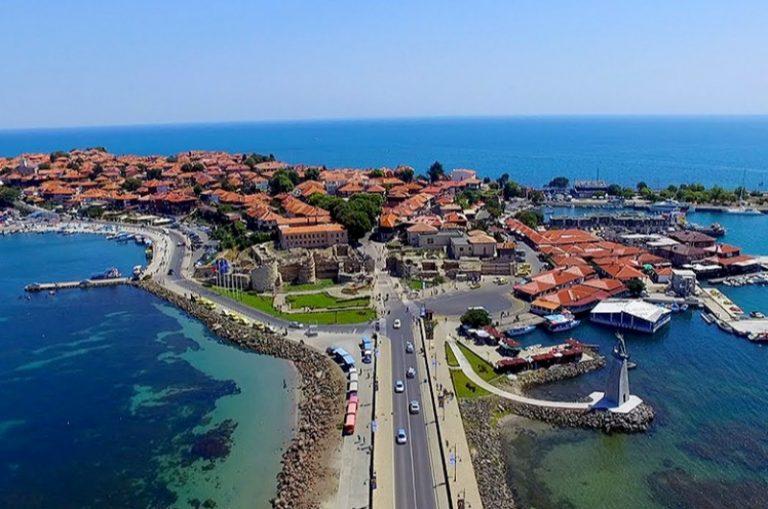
pixel 357 215
pixel 8 195
pixel 511 190
pixel 355 221
pixel 559 182
pixel 405 174
pixel 537 197
pixel 436 171
pixel 281 183
pixel 58 154
pixel 614 190
pixel 476 318
pixel 636 287
pixel 376 174
pixel 312 174
pixel 131 184
pixel 154 173
pixel 530 218
pixel 641 185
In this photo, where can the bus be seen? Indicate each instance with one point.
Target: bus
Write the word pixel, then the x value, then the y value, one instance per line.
pixel 349 424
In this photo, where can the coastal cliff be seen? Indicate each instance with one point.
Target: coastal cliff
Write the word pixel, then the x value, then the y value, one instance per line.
pixel 305 476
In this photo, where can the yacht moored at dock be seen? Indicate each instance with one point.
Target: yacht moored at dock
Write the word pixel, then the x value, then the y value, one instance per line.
pixel 519 330
pixel 560 322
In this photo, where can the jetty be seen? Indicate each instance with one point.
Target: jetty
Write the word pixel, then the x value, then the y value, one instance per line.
pixel 67 285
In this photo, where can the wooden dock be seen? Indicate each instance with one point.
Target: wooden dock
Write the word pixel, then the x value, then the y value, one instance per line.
pixel 66 285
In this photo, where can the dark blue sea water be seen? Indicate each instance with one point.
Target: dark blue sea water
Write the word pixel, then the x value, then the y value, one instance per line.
pixel 708 446
pixel 112 398
pixel 625 150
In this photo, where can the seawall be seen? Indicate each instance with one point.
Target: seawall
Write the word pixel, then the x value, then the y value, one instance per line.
pixel 305 475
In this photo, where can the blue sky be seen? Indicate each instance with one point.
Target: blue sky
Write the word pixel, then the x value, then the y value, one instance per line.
pixel 69 63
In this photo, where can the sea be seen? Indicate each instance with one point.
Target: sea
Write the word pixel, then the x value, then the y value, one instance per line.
pixel 104 399
pixel 726 151
pixel 708 446
pixel 110 397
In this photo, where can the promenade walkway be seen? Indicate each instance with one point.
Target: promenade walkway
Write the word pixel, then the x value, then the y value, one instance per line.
pixel 466 367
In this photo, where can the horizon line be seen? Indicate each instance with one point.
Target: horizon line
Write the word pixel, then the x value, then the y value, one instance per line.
pixel 319 120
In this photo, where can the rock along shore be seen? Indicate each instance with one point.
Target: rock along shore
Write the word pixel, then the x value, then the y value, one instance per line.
pixel 483 435
pixel 305 472
pixel 560 372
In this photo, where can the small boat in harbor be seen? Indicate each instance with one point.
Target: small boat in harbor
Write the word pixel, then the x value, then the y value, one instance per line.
pixel 111 273
pixel 708 318
pixel 519 330
pixel 560 323
pixel 724 326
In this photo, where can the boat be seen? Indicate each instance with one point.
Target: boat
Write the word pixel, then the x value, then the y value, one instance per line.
pixel 668 206
pixel 713 230
pixel 757 314
pixel 724 326
pixel 519 330
pixel 560 323
pixel 111 273
pixel 708 318
pixel 743 210
pixel 631 365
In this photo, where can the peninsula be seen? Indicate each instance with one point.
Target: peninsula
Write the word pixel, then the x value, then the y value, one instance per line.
pixel 404 301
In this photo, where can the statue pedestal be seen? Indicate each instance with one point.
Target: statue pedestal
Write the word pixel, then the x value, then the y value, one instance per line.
pixel 626 407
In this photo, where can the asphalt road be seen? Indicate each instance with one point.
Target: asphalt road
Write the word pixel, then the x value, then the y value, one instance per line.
pixel 413 470
pixel 176 258
pixel 494 298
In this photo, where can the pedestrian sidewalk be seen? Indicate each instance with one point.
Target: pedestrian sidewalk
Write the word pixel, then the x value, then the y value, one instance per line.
pixel 383 450
pixel 461 472
pixel 431 422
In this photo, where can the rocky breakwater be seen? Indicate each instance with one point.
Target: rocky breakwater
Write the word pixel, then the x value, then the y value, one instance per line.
pixel 305 475
pixel 481 417
pixel 636 421
pixel 484 441
pixel 560 372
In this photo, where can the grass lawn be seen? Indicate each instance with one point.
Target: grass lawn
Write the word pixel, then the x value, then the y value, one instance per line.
pixel 338 317
pixel 452 362
pixel 324 300
pixel 479 365
pixel 464 387
pixel 308 287
pixel 416 284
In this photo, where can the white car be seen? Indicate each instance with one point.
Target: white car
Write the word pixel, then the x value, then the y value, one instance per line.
pixel 413 407
pixel 411 373
pixel 401 437
pixel 396 324
pixel 399 386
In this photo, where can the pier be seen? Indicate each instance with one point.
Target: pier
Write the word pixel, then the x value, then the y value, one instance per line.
pixel 84 284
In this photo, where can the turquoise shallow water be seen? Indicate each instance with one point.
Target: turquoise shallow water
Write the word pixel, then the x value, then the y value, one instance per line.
pixel 708 446
pixel 112 398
